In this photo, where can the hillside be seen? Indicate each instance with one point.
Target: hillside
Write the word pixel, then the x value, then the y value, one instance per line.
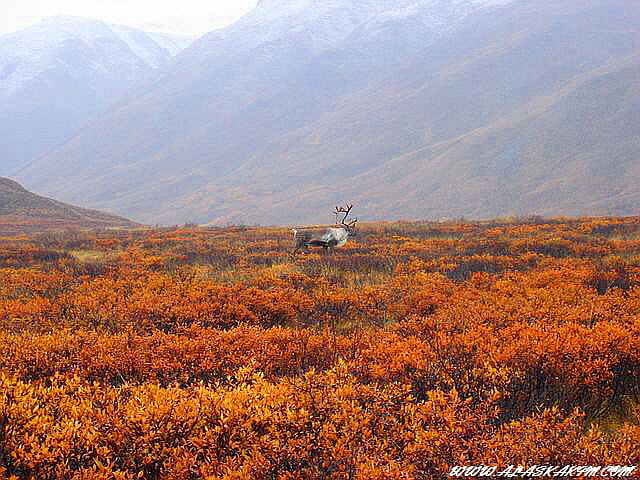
pixel 426 109
pixel 23 211
pixel 58 74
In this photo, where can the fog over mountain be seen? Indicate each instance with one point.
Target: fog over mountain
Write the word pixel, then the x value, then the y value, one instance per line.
pixel 61 72
pixel 409 109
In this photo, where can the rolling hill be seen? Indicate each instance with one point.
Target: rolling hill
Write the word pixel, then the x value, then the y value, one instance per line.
pixel 22 211
pixel 410 109
pixel 58 74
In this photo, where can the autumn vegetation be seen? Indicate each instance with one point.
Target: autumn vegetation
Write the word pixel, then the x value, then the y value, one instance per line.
pixel 213 353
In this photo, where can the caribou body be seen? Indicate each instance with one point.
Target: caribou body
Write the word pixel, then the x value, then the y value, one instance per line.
pixel 330 237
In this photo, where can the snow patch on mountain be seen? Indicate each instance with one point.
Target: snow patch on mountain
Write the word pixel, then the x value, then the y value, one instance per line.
pixel 326 23
pixel 78 43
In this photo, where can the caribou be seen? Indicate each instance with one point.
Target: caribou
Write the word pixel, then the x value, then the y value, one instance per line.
pixel 330 237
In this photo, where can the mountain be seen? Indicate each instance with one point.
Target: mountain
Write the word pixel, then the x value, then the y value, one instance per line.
pixel 21 210
pixel 409 109
pixel 61 72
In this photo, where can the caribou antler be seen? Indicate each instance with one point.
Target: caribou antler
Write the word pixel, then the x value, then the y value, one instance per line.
pixel 346 211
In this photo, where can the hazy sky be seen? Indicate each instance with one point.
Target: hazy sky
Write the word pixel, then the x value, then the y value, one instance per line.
pixel 190 17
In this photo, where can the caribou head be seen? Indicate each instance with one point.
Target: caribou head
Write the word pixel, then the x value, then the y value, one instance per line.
pixel 329 237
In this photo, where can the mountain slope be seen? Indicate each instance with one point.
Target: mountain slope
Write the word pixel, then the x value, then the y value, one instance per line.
pixel 21 210
pixel 61 72
pixel 531 111
pixel 410 109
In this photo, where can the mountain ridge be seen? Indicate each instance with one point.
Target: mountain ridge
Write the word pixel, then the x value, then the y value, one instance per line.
pixel 58 74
